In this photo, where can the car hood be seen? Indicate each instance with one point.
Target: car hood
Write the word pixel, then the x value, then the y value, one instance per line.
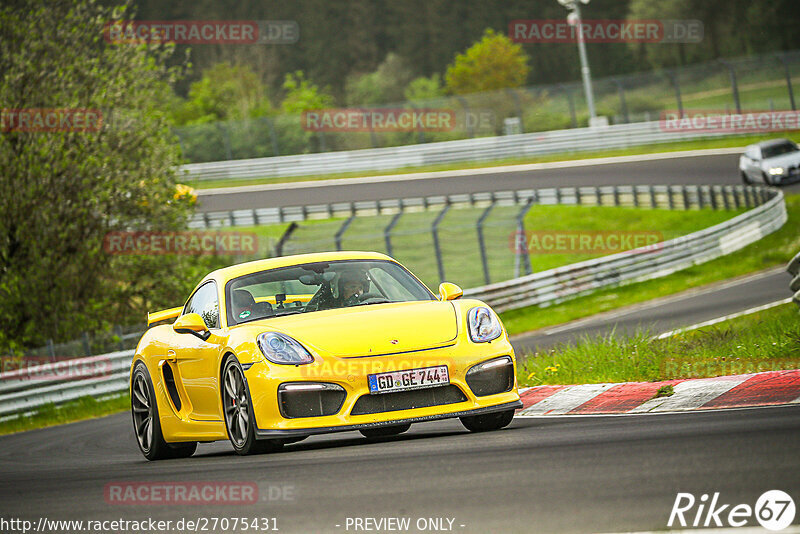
pixel 373 330
pixel 784 160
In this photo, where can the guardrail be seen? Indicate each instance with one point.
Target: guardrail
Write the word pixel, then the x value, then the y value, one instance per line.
pixel 29 388
pixel 794 269
pixel 654 196
pixel 555 285
pixel 25 390
pixel 477 149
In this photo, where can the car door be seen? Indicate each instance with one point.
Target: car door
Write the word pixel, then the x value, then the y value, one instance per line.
pixel 754 164
pixel 196 360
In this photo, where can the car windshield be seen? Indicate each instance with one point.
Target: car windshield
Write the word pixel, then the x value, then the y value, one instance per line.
pixel 320 286
pixel 779 150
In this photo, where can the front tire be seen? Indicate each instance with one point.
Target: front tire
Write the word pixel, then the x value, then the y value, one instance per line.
pixel 487 422
pixel 745 179
pixel 384 431
pixel 239 419
pixel 146 422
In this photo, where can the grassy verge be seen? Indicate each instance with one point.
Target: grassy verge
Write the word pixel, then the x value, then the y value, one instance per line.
pixel 773 250
pixel 77 410
pixel 722 142
pixel 765 341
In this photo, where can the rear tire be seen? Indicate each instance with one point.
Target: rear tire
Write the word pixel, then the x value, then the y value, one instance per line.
pixel 238 411
pixel 487 422
pixel 384 431
pixel 146 422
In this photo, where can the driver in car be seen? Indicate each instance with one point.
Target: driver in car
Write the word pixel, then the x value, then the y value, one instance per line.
pixel 352 285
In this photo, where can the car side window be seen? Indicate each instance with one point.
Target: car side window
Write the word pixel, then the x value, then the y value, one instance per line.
pixel 205 303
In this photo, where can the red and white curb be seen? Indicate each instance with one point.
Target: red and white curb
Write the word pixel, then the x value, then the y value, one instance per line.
pixel 771 388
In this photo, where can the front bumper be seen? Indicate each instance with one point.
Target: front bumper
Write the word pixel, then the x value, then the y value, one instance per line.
pixel 350 374
pixel 301 432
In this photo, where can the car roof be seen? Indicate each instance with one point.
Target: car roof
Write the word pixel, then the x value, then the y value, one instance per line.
pixel 234 271
pixel 773 142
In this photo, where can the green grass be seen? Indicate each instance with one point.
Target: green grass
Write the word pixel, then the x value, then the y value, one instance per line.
pixel 412 242
pixel 773 250
pixel 753 95
pixel 751 99
pixel 765 341
pixel 77 410
pixel 721 142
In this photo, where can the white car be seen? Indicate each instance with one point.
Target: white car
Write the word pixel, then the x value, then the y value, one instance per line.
pixel 774 162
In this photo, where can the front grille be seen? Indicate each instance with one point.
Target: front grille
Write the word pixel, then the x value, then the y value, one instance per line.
pixel 326 399
pixel 407 400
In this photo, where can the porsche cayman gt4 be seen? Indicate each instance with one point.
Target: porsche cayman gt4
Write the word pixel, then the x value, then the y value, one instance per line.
pixel 269 352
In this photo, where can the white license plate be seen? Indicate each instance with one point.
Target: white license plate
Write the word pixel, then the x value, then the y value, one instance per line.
pixel 427 377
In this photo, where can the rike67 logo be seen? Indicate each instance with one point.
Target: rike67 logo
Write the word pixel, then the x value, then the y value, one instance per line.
pixel 774 510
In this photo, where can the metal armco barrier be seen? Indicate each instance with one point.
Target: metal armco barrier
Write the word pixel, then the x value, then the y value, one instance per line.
pixel 27 389
pixel 680 197
pixel 556 285
pixel 477 149
pixel 794 269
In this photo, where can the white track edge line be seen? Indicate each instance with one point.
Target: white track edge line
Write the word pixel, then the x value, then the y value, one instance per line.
pixel 724 318
pixel 646 414
pixel 660 301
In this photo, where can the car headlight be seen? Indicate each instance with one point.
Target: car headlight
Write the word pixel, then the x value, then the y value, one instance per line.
pixel 776 171
pixel 483 324
pixel 279 348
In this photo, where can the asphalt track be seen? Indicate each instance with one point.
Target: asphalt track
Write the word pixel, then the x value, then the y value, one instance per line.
pixel 664 314
pixel 552 474
pixel 716 169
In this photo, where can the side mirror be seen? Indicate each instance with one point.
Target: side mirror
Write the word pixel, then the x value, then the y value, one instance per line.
pixel 448 291
pixel 191 323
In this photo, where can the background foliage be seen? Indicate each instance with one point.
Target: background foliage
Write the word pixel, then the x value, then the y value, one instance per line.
pixel 61 193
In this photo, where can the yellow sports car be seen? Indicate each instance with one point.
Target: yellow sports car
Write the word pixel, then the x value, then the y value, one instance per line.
pixel 272 351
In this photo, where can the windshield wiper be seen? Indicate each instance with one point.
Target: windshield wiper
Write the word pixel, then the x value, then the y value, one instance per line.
pixel 377 301
pixel 288 312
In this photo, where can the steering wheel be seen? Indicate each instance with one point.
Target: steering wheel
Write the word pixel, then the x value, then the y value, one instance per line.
pixel 372 298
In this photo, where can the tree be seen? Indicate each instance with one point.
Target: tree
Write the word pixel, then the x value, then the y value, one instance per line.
pixel 225 92
pixel 423 88
pixel 492 63
pixel 302 95
pixel 62 192
pixel 382 86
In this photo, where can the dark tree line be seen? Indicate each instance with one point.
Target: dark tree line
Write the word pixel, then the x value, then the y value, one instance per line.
pixel 340 39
